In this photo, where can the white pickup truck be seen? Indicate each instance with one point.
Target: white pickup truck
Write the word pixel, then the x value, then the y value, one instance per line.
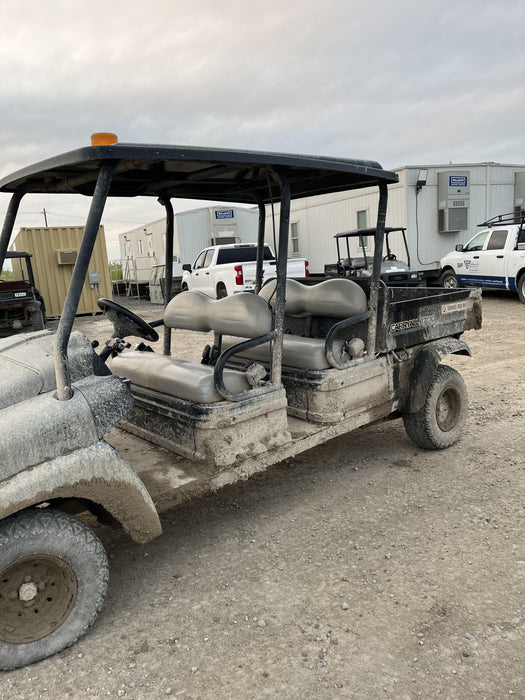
pixel 494 258
pixel 223 270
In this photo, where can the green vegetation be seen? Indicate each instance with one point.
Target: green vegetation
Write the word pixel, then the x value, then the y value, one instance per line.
pixel 115 271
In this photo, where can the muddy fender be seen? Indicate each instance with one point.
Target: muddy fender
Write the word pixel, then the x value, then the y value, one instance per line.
pixel 424 366
pixel 96 473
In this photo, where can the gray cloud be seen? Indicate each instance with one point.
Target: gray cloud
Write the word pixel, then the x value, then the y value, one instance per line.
pixel 404 82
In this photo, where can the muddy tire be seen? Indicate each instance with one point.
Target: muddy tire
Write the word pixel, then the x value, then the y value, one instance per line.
pixel 53 581
pixel 221 291
pixel 37 321
pixel 440 422
pixel 521 288
pixel 449 280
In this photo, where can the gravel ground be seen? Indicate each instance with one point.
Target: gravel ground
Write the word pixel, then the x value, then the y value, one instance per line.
pixel 365 568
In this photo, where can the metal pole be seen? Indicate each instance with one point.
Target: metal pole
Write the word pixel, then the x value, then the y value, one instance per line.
pixel 168 267
pixel 67 317
pixel 376 270
pixel 9 222
pixel 280 290
pixel 260 246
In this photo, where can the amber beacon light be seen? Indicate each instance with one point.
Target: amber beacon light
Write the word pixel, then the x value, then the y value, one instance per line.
pixel 103 138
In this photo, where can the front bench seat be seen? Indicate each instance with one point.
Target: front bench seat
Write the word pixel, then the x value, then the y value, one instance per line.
pixel 244 315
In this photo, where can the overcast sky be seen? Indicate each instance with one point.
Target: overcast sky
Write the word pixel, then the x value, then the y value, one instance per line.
pixel 403 82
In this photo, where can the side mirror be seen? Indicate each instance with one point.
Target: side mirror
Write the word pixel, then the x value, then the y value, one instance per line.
pixel 459 247
pixel 186 267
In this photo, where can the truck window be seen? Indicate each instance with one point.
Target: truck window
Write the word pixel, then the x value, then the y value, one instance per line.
pixel 199 263
pixel 477 242
pixel 240 255
pixel 497 240
pixel 208 258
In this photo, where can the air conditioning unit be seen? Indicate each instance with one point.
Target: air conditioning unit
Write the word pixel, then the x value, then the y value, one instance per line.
pixel 67 257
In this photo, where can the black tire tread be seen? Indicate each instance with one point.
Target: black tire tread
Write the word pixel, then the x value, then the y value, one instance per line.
pixel 48 523
pixel 421 426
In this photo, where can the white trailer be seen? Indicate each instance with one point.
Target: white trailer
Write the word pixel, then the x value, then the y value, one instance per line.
pixel 439 205
pixel 142 249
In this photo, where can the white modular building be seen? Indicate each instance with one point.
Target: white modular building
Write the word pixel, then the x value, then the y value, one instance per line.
pixel 144 247
pixel 439 205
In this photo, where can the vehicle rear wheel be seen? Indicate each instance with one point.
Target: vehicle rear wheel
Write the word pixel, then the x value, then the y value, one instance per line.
pixel 521 288
pixel 37 320
pixel 440 422
pixel 53 581
pixel 449 280
pixel 221 291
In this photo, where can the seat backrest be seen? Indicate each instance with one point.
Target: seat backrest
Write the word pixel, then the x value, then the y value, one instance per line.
pixel 242 315
pixel 335 298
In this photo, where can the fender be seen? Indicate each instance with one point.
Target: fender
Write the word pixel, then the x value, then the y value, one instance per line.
pixel 96 473
pixel 424 366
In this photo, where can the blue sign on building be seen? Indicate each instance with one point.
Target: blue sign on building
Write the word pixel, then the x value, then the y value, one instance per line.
pixel 224 214
pixel 457 181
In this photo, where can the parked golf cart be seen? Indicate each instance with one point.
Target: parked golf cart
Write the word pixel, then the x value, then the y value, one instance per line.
pixel 394 272
pixel 290 366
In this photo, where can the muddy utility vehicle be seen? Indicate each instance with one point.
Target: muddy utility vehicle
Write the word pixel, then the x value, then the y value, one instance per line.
pixel 288 367
pixel 21 305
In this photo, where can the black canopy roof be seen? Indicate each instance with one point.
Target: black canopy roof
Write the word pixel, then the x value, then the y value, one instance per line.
pixel 195 173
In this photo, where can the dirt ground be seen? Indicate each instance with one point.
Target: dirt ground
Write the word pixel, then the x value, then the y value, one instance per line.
pixel 366 568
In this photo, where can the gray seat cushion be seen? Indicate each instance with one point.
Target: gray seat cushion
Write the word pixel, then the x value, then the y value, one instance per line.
pixel 334 298
pixel 243 314
pixel 182 379
pixel 299 352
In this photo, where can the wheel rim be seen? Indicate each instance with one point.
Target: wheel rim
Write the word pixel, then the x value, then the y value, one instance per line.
pixel 37 594
pixel 450 282
pixel 448 409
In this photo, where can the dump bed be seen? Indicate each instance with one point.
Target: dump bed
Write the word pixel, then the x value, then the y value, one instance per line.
pixel 413 316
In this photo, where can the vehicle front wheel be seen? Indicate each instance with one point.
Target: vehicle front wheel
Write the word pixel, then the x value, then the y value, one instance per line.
pixel 440 422
pixel 449 280
pixel 521 288
pixel 53 581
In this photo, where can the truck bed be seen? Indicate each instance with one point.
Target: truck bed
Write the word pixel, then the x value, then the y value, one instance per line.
pixel 418 315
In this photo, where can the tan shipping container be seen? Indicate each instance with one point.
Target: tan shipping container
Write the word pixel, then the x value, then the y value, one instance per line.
pixel 54 252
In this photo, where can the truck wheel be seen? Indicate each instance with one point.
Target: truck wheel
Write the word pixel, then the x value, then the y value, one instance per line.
pixel 449 280
pixel 440 422
pixel 184 287
pixel 53 581
pixel 521 288
pixel 221 291
pixel 37 320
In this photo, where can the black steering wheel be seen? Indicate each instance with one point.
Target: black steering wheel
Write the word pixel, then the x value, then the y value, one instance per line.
pixel 125 322
pixel 390 256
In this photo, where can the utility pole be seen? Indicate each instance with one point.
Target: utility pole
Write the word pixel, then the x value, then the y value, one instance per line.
pixel 45 216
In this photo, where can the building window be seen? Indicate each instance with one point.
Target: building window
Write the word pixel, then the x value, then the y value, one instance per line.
pixel 362 219
pixel 140 246
pixel 294 235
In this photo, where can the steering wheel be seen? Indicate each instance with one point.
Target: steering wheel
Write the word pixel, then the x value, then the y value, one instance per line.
pixel 125 322
pixel 390 256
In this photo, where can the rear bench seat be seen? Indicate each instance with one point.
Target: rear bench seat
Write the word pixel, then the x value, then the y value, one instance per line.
pixel 335 298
